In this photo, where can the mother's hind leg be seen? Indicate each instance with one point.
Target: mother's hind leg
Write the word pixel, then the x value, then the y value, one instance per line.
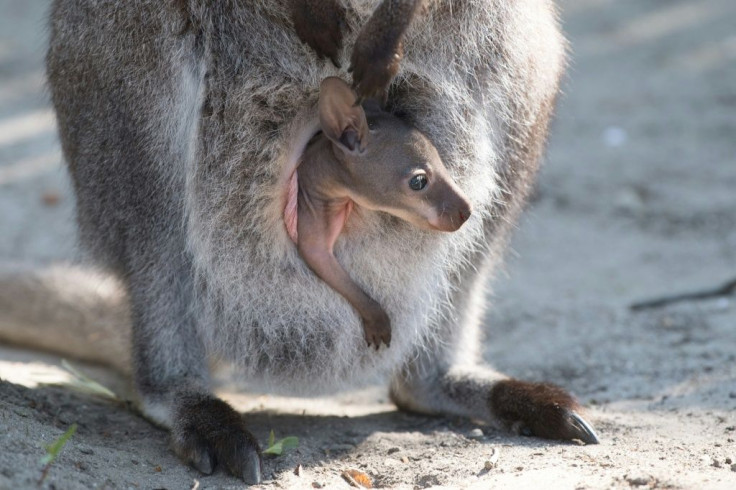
pixel 478 392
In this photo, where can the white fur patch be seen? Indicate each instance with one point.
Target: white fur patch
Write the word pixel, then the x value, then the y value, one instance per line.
pixel 158 413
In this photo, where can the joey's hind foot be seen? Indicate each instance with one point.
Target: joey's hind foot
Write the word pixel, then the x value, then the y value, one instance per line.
pixel 373 68
pixel 541 410
pixel 378 50
pixel 319 24
pixel 207 432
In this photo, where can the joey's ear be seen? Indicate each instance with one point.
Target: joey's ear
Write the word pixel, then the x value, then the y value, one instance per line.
pixel 342 121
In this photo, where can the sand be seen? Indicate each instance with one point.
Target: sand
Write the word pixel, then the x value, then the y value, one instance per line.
pixel 637 199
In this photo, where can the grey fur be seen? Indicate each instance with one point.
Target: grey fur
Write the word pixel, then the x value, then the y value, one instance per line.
pixel 181 122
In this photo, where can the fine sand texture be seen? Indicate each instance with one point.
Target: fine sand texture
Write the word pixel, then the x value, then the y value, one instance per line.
pixel 637 200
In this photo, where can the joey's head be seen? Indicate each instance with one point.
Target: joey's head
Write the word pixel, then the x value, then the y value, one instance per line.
pixel 388 165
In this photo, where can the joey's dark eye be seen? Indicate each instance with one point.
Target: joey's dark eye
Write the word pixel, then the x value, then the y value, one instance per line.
pixel 418 182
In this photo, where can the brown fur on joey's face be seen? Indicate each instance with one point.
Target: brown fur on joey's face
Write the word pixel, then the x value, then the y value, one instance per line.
pixel 389 165
pixel 401 173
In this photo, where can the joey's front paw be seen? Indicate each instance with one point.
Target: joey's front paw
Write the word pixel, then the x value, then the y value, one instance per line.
pixel 319 24
pixel 207 432
pixel 377 329
pixel 540 409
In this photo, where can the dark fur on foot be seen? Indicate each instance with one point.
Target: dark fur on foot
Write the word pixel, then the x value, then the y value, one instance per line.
pixel 378 49
pixel 207 432
pixel 319 24
pixel 540 409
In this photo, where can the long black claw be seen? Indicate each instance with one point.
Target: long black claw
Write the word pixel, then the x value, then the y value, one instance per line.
pixel 541 410
pixel 204 461
pixel 582 429
pixel 252 469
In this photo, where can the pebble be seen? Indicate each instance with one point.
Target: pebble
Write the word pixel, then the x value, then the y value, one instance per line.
pixel 493 460
pixel 475 434
pixel 394 450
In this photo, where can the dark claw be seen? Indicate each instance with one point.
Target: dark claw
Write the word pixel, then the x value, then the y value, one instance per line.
pixel 541 410
pixel 252 469
pixel 582 429
pixel 207 431
pixel 203 461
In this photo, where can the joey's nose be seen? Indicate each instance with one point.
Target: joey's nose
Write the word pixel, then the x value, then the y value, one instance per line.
pixel 464 214
pixel 453 220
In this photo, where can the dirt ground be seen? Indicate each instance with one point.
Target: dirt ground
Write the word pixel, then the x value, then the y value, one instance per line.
pixel 637 200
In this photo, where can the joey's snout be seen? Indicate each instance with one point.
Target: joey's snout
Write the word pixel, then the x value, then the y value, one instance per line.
pixel 452 211
pixel 451 219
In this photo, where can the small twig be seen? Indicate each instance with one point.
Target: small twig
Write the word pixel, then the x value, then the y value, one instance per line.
pixel 724 290
pixel 44 474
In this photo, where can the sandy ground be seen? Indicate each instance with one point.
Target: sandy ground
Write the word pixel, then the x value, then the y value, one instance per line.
pixel 637 200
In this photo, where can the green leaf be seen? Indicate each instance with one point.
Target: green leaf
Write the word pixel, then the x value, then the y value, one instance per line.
pixel 277 448
pixel 274 449
pixel 53 449
pixel 290 442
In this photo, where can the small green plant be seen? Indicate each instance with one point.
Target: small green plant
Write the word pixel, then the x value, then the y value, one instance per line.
pixel 277 448
pixel 53 450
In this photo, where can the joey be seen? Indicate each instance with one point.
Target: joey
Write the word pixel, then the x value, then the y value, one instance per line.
pixel 374 159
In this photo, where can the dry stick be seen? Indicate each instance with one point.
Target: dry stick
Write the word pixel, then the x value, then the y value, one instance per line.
pixel 724 290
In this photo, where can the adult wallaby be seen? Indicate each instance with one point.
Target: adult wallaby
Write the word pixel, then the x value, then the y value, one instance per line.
pixel 374 159
pixel 182 121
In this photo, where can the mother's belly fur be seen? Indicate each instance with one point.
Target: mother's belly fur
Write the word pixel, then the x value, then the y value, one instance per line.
pixel 260 307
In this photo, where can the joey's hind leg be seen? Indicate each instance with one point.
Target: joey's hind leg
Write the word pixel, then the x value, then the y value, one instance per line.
pixel 171 374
